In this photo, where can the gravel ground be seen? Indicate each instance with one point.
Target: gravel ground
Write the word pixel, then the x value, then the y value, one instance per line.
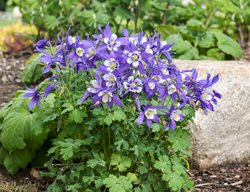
pixel 10 70
pixel 228 178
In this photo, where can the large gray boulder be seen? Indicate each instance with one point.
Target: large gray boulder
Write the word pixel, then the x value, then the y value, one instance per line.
pixel 223 136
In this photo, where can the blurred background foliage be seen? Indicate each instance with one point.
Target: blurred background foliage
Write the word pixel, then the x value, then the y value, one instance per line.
pixel 217 29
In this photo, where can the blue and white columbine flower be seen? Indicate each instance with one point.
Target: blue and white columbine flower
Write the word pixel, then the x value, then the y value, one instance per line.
pixel 134 58
pixel 110 79
pixel 111 64
pixel 149 114
pixel 133 85
pixel 174 115
pixel 112 43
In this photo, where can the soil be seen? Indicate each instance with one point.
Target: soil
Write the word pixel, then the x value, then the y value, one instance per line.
pixel 227 178
pixel 10 72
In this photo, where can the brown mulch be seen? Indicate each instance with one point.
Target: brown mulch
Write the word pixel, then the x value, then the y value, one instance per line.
pixel 10 72
pixel 227 178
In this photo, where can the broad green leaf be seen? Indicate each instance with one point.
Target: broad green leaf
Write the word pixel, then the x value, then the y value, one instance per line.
pixel 77 115
pixel 88 179
pixel 174 38
pixel 18 159
pixel 206 41
pixel 195 25
pixel 163 164
pixel 166 30
pixel 74 187
pixel 68 147
pixel 92 163
pixel 175 181
pixel 191 53
pixel 180 141
pixel 122 163
pixel 142 169
pixel 132 177
pixel 177 166
pixel 180 46
pixel 21 128
pixel 156 127
pixel 33 69
pixel 54 187
pixel 119 115
pixel 3 154
pixel 215 53
pixel 228 45
pixel 102 17
pixel 121 184
pixel 108 119
pixel 67 107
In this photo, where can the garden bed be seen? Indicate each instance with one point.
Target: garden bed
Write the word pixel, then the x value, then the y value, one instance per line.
pixel 233 177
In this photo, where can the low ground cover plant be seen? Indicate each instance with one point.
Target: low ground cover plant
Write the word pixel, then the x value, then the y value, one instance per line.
pixel 111 116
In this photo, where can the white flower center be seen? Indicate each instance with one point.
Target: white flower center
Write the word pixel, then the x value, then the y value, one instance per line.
pixel 206 96
pixel 176 115
pixel 113 65
pixel 148 49
pixel 134 57
pixel 150 113
pixel 151 85
pixel 171 89
pixel 133 84
pixel 79 51
pixel 94 83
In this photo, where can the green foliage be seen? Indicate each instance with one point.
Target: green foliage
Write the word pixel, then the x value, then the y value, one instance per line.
pixel 194 23
pixel 109 152
pixel 228 45
pixel 194 41
pixel 33 69
pixel 22 133
pixel 115 184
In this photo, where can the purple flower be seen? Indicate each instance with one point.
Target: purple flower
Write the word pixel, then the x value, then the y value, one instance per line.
pixel 48 89
pixel 111 64
pixel 110 79
pixel 149 114
pixel 34 96
pixel 41 45
pixel 112 42
pixel 134 58
pixel 174 116
pixel 133 85
pixel 49 59
pixel 107 97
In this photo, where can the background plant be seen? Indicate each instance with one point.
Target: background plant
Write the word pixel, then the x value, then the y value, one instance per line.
pixel 16 37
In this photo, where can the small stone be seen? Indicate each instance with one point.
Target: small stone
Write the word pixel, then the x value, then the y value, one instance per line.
pixel 18 80
pixel 237 176
pixel 8 67
pixel 4 79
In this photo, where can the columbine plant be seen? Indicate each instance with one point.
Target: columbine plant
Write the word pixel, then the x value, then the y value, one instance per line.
pixel 136 67
pixel 118 106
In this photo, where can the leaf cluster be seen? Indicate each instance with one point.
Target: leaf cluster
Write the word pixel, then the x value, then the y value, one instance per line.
pixel 110 152
pixel 193 41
